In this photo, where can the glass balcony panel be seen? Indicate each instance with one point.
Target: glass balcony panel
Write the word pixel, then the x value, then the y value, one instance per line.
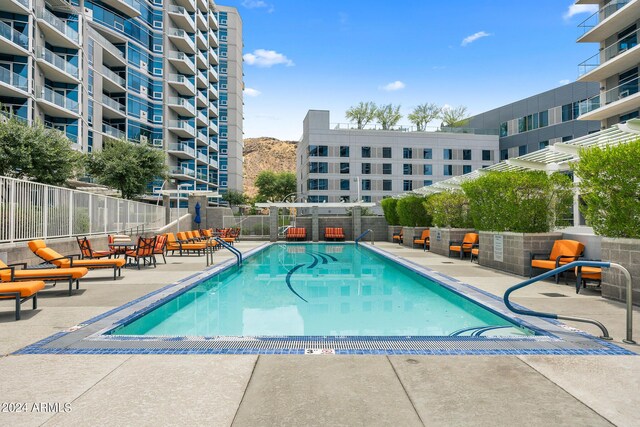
pixel 7 32
pixel 59 99
pixel 58 24
pixel 13 79
pixel 57 61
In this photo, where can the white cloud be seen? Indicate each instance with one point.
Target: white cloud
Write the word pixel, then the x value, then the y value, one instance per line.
pixel 266 58
pixel 397 85
pixel 564 82
pixel 254 4
pixel 251 92
pixel 473 37
pixel 579 9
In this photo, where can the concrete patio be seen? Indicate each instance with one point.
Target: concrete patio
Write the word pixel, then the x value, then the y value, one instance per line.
pixel 312 390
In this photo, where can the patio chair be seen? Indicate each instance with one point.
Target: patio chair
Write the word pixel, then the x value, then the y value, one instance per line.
pixel 584 274
pixel 21 292
pixel 115 250
pixel 296 233
pixel 423 240
pixel 39 247
pixel 183 246
pixel 87 252
pixel 333 233
pixel 9 273
pixel 398 237
pixel 144 251
pixel 563 252
pixel 465 246
pixel 160 247
pixel 475 252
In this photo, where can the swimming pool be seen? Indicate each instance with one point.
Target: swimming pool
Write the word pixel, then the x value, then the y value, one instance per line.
pixel 320 290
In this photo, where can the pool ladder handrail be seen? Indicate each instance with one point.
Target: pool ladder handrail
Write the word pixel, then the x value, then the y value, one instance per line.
pixel 231 249
pixel 574 264
pixel 367 231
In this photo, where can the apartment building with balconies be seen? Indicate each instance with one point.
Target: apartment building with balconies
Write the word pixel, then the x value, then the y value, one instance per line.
pixel 144 70
pixel 614 65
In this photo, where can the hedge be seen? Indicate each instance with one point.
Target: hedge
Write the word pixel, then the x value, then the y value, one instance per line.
pixel 520 201
pixel 610 189
pixel 449 209
pixel 389 210
pixel 411 212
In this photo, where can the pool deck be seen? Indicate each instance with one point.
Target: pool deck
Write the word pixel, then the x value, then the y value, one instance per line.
pixel 314 389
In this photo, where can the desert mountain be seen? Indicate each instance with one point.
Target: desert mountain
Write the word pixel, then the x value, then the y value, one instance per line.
pixel 266 153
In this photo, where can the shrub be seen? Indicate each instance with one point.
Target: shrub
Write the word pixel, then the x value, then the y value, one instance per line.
pixel 389 210
pixel 411 212
pixel 449 209
pixel 522 202
pixel 610 188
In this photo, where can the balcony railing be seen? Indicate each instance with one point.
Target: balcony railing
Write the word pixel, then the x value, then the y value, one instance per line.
pixel 7 32
pixel 203 176
pixel 599 16
pixel 182 57
pixel 59 99
pixel 617 93
pixel 57 61
pixel 203 157
pixel 213 163
pixel 183 170
pixel 58 24
pixel 113 132
pixel 182 147
pixel 106 44
pixel 112 103
pixel 202 116
pixel 181 124
pixel 179 78
pixel 609 53
pixel 25 3
pixel 113 76
pixel 404 128
pixel 14 79
pixel 182 103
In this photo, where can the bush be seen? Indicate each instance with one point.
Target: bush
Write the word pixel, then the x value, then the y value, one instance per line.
pixel 610 188
pixel 449 209
pixel 389 210
pixel 521 202
pixel 411 212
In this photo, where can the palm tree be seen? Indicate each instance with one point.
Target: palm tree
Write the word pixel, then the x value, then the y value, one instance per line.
pixel 454 117
pixel 362 113
pixel 423 114
pixel 388 115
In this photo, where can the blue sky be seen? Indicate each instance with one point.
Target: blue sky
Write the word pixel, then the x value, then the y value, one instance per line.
pixel 331 54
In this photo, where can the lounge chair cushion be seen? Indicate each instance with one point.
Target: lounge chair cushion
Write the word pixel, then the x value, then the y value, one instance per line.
pixel 545 264
pixel 75 273
pixel 592 273
pixel 49 254
pixel 566 247
pixel 457 248
pixel 26 289
pixel 475 251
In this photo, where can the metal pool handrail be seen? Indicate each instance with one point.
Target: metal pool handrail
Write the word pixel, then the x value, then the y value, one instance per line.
pixel 601 264
pixel 364 234
pixel 231 249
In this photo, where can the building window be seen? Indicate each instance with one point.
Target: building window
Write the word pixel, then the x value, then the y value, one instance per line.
pixel 407 185
pixel 427 169
pixel 543 144
pixel 318 167
pixel 366 168
pixel 366 185
pixel 504 154
pixel 447 154
pixel 366 199
pixel 522 150
pixel 567 138
pixel 407 169
pixel 318 151
pixel 504 129
pixel 386 185
pixel 407 153
pixel 318 184
pixel 427 182
pixel 344 167
pixel 543 118
pixel 386 152
pixel 567 112
pixel 386 168
pixel 345 199
pixel 466 169
pixel 486 155
pixel 366 152
pixel 318 199
pixel 466 154
pixel 427 154
pixel 344 151
pixel 344 184
pixel 448 170
pixel 628 116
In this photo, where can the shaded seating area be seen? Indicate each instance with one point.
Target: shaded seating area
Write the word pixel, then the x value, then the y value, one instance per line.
pixel 423 239
pixel 563 252
pixel 464 247
pixel 40 249
pixel 21 292
pixel 296 233
pixel 9 273
pixel 333 233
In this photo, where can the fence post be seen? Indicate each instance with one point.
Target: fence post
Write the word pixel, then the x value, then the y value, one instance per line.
pixel 45 213
pixel 12 211
pixel 70 213
pixel 90 212
pixel 106 214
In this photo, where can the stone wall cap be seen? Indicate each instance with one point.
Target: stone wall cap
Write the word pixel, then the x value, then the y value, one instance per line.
pixel 621 240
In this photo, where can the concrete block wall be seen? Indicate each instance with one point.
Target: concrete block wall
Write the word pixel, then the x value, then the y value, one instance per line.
pixel 214 216
pixel 625 252
pixel 391 230
pixel 346 222
pixel 517 249
pixel 440 238
pixel 378 225
pixel 409 233
pixel 20 252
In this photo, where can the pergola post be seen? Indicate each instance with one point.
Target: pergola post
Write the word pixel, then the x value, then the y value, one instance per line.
pixel 357 221
pixel 315 224
pixel 273 224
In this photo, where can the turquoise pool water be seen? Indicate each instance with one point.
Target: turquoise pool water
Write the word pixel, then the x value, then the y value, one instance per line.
pixel 320 290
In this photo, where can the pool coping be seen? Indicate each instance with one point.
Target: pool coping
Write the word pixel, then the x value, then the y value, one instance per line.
pixel 89 337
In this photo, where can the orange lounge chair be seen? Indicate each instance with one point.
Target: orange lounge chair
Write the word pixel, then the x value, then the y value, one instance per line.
pixel 398 237
pixel 296 233
pixel 563 252
pixel 21 292
pixel 465 246
pixel 174 244
pixel 333 233
pixel 423 240
pixel 39 247
pixel 8 273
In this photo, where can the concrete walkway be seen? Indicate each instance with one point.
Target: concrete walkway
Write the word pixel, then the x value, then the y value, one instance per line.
pixel 310 390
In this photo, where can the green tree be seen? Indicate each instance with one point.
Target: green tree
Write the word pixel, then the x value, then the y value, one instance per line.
pixel 274 186
pixel 423 114
pixel 411 212
pixel 388 115
pixel 36 152
pixel 389 210
pixel 362 113
pixel 127 166
pixel 454 117
pixel 234 198
pixel 449 209
pixel 610 189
